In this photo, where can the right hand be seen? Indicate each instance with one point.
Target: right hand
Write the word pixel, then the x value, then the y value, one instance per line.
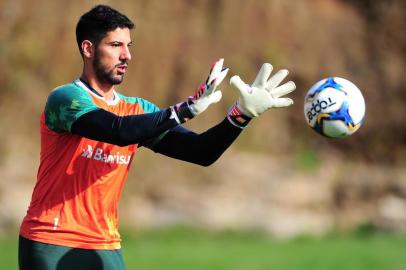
pixel 205 95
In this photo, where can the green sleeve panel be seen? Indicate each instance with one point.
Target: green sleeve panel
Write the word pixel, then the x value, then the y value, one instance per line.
pixel 65 105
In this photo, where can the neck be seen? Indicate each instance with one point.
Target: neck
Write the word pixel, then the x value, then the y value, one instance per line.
pixel 104 89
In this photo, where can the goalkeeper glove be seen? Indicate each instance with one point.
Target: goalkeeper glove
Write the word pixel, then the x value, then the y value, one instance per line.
pixel 262 95
pixel 205 95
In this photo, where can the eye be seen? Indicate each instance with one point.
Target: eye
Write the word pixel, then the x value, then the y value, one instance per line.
pixel 115 44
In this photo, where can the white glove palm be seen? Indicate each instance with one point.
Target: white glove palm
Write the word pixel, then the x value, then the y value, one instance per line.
pixel 263 94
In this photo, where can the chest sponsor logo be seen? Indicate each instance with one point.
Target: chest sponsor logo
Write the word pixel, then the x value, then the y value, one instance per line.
pixel 99 155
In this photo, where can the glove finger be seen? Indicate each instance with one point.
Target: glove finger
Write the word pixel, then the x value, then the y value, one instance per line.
pixel 263 75
pixel 221 76
pixel 215 97
pixel 276 79
pixel 211 87
pixel 215 70
pixel 282 102
pixel 284 89
pixel 241 86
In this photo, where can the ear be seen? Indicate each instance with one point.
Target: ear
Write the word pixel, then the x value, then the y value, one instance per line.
pixel 87 49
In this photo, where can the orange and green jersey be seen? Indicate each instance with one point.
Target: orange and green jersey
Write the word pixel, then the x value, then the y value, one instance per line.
pixel 79 181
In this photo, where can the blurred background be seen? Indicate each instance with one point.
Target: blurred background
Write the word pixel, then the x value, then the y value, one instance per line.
pixel 280 181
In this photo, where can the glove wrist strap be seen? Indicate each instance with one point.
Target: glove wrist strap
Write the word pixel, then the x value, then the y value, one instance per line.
pixel 236 117
pixel 181 112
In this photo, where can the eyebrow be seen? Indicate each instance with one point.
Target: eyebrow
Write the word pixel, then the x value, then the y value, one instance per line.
pixel 121 42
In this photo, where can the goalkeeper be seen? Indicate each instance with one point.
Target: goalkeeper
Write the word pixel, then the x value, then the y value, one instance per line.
pixel 90 134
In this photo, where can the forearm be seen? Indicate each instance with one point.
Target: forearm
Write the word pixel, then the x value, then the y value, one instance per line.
pixel 203 149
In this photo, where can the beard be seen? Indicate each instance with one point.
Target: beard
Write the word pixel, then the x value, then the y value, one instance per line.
pixel 103 73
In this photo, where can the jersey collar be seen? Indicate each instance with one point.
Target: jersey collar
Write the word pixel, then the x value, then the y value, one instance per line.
pixel 84 85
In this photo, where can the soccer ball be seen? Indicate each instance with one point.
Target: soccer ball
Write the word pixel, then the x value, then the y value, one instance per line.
pixel 334 107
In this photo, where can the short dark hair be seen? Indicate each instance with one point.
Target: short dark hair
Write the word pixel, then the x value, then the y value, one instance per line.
pixel 97 22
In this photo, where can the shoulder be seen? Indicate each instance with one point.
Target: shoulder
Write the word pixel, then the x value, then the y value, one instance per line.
pixel 147 106
pixel 67 92
pixel 70 95
pixel 65 104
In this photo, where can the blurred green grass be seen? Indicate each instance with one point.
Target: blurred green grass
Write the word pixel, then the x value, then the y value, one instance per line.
pixel 185 248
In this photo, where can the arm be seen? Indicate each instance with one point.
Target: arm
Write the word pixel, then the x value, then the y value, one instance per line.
pixel 202 149
pixel 206 148
pixel 107 127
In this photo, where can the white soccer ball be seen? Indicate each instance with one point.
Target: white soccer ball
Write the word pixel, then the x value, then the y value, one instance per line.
pixel 334 107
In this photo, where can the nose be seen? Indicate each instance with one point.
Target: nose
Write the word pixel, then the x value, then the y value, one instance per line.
pixel 125 54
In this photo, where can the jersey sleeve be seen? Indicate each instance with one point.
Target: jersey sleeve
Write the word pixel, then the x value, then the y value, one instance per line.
pixel 64 106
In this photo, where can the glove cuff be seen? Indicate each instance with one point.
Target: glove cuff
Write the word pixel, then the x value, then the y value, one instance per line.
pixel 236 116
pixel 181 112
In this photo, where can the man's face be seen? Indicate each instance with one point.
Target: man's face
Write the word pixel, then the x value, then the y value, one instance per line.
pixel 112 55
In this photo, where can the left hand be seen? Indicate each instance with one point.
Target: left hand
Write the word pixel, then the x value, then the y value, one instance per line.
pixel 259 97
pixel 264 93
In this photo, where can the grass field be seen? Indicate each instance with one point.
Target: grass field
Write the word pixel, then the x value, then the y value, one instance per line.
pixel 186 249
